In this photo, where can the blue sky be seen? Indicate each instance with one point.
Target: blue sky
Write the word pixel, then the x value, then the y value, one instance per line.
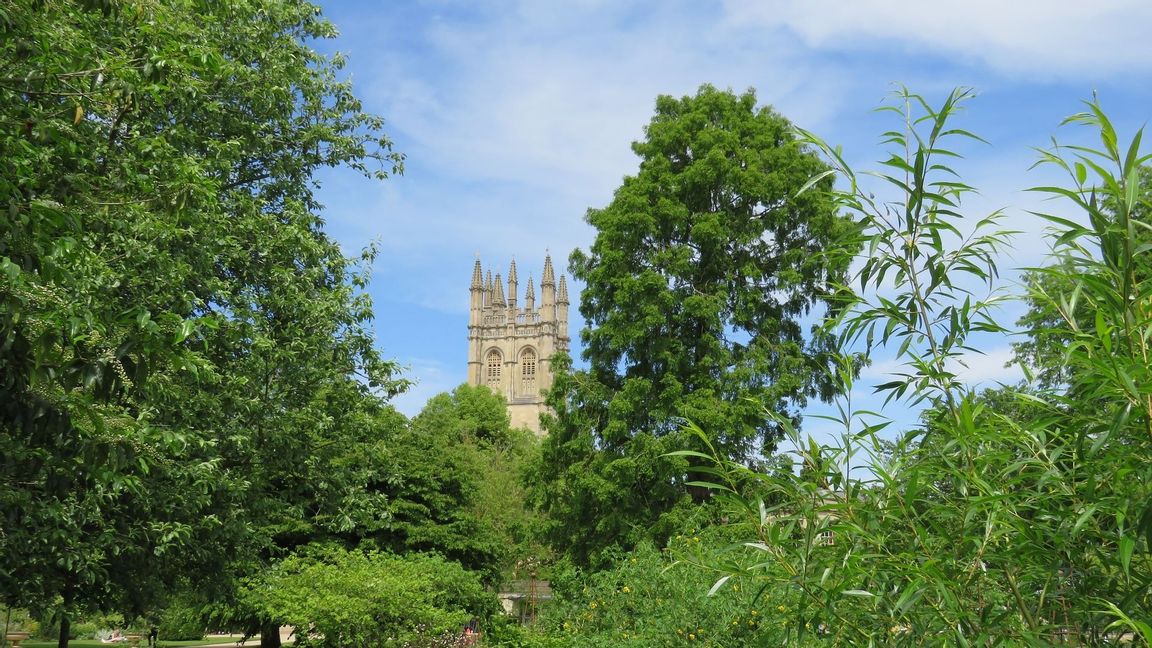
pixel 517 116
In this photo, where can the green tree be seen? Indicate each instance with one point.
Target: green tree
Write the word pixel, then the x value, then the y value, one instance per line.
pixel 703 270
pixel 458 489
pixel 177 332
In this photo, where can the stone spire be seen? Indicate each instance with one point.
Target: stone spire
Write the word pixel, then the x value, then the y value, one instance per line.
pixel 477 294
pixel 562 310
pixel 512 282
pixel 488 290
pixel 549 279
pixel 548 292
pixel 477 276
pixel 530 296
pixel 498 298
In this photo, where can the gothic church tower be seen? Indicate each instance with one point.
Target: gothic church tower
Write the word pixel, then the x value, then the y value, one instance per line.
pixel 510 349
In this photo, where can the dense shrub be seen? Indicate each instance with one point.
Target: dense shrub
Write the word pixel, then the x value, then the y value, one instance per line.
pixel 655 598
pixel 369 599
pixel 181 621
pixel 1020 517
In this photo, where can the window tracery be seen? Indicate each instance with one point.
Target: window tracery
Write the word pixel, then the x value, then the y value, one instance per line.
pixel 494 365
pixel 528 372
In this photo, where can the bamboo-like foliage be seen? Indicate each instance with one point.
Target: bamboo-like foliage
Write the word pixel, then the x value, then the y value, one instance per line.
pixel 1009 518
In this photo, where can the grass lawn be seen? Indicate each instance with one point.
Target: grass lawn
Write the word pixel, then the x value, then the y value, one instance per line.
pixel 92 643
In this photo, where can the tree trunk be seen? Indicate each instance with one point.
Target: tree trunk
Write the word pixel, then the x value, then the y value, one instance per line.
pixel 65 630
pixel 269 636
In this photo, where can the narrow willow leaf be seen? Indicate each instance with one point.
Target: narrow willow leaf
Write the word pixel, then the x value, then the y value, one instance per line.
pixel 814 180
pixel 1125 547
pixel 718 584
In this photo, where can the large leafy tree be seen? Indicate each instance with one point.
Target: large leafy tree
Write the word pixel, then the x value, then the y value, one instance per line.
pixel 704 267
pixel 177 332
pixel 458 490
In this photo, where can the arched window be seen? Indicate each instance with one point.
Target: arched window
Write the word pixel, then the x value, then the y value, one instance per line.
pixel 494 362
pixel 528 372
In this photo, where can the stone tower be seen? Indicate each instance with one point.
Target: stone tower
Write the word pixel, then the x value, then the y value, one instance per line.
pixel 509 348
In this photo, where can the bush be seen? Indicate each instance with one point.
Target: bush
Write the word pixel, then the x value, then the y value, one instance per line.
pixel 652 598
pixel 181 621
pixel 370 599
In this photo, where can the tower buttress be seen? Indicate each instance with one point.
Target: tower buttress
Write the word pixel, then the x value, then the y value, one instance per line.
pixel 512 289
pixel 562 313
pixel 477 292
pixel 548 292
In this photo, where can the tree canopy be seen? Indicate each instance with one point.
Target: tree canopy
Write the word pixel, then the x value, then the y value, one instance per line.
pixel 458 491
pixel 184 352
pixel 704 268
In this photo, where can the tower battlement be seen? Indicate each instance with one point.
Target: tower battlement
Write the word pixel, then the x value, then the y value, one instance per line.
pixel 510 348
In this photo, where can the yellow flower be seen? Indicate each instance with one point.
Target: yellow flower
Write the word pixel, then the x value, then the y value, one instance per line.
pixel 592 605
pixel 625 589
pixel 754 612
pixel 679 631
pixel 781 608
pixel 692 636
pixel 567 626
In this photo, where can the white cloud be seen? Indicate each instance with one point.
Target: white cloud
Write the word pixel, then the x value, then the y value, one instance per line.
pixel 554 98
pixel 1054 38
pixel 986 369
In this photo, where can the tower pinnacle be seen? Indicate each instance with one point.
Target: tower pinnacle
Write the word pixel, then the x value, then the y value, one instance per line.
pixel 512 283
pixel 498 299
pixel 477 276
pixel 549 278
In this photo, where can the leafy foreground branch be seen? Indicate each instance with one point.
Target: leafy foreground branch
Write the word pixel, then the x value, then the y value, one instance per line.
pixel 1013 517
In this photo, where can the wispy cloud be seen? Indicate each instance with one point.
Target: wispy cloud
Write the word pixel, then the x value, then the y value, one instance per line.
pixel 1058 39
pixel 517 115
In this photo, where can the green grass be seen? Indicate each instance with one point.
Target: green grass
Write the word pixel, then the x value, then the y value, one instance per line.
pixel 92 643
